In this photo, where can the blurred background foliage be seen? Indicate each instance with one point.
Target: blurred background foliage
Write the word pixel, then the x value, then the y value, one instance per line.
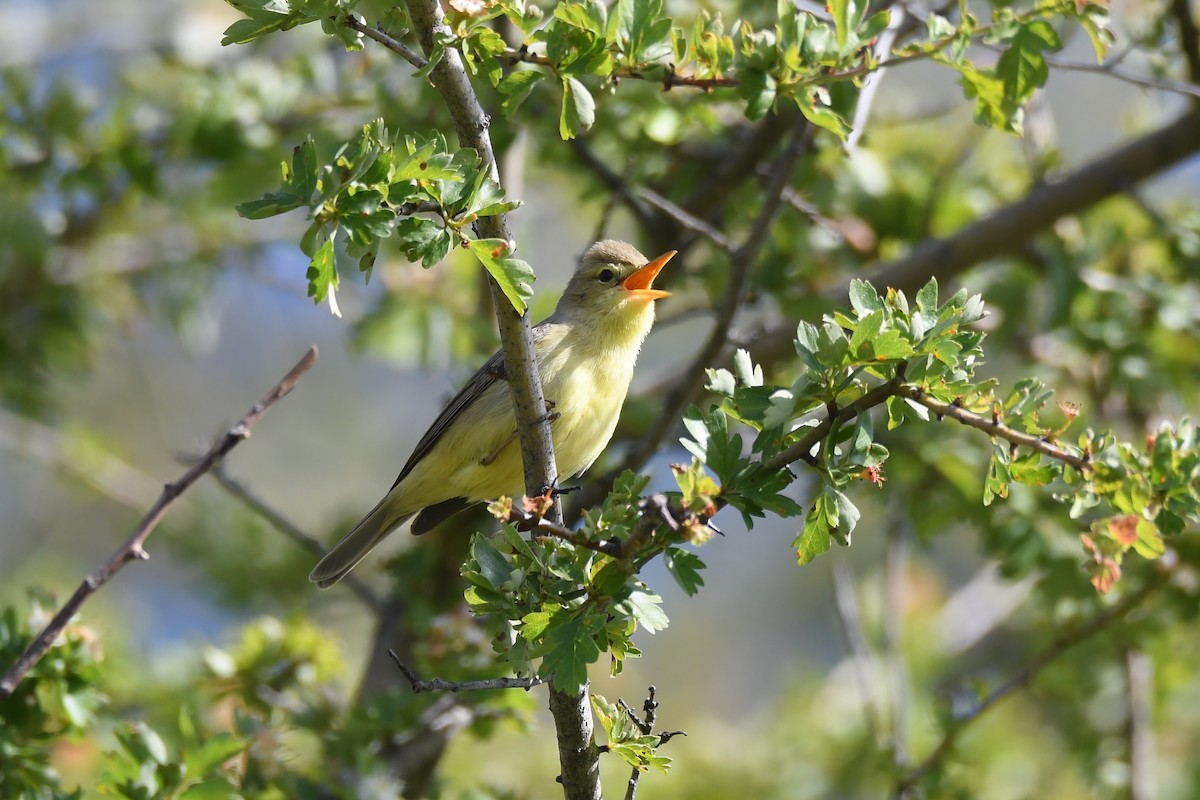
pixel 139 314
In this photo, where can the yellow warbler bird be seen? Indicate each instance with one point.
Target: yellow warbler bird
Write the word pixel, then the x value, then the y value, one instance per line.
pixel 585 352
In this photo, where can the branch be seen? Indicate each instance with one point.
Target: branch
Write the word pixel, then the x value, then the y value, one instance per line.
pixel 395 45
pixel 1007 230
pixel 420 684
pixel 1026 675
pixel 1110 69
pixel 578 755
pixel 1189 36
pixel 669 81
pixel 646 726
pixel 802 449
pixel 613 182
pixel 994 427
pixel 132 550
pixel 742 264
pixel 292 531
pixel 685 219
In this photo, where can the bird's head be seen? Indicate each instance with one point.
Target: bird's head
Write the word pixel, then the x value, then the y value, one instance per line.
pixel 613 287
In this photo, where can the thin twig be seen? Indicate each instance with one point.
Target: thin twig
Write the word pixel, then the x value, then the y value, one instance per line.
pixel 420 684
pixel 864 663
pixel 291 530
pixel 1031 670
pixel 801 450
pixel 1145 81
pixel 646 726
pixel 133 550
pixel 613 182
pixel 685 220
pixel 993 426
pixel 395 45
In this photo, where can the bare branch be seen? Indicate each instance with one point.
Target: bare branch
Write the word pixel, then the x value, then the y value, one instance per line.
pixel 1007 230
pixel 684 219
pixel 132 550
pixel 613 182
pixel 420 684
pixel 1098 624
pixel 291 530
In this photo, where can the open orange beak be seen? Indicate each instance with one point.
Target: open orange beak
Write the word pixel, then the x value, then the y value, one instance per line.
pixel 639 283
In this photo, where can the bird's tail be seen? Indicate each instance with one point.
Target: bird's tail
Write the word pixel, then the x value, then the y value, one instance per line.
pixel 355 545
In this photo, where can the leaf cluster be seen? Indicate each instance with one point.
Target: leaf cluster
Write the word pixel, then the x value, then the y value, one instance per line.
pixel 374 189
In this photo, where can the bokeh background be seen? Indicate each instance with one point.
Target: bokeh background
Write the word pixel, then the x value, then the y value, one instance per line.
pixel 162 316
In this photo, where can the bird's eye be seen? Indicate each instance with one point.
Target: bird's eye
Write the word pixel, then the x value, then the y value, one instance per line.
pixel 606 275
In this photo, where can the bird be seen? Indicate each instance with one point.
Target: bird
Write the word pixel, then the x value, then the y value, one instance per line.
pixel 585 351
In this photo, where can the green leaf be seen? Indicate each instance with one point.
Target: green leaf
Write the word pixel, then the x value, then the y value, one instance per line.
pixel 758 89
pixel 638 31
pixel 846 14
pixel 142 743
pixel 210 755
pixel 512 274
pixel 646 608
pixel 578 109
pixel 299 184
pixel 515 88
pixel 1022 67
pixel 492 563
pixel 213 789
pixel 323 277
pixel 422 240
pixel 863 298
pixel 572 649
pixel 684 567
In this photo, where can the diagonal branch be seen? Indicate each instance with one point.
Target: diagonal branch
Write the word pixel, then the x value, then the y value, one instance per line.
pixel 292 531
pixel 1098 624
pixel 742 264
pixel 395 45
pixel 994 427
pixel 133 550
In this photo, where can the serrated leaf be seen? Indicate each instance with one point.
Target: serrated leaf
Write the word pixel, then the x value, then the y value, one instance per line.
pixel 647 609
pixel 572 649
pixel 514 276
pixel 684 567
pixel 422 240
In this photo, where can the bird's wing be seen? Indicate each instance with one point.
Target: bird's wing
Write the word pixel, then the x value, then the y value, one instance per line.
pixel 491 371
